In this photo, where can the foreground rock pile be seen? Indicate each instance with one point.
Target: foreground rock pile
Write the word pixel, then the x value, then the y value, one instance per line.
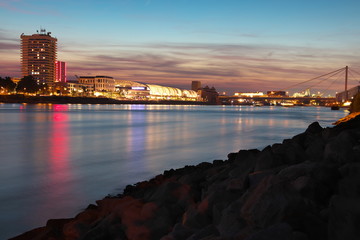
pixel 306 188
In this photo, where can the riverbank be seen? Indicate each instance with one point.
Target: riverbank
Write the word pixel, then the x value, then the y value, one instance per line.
pixel 86 100
pixel 304 188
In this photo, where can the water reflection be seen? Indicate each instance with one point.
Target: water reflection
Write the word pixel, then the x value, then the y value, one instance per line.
pixel 56 159
pixel 47 160
pixel 135 139
pixel 59 170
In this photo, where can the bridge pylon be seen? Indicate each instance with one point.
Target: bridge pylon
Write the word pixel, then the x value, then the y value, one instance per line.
pixel 346 83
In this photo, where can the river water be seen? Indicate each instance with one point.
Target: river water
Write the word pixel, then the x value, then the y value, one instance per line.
pixel 57 159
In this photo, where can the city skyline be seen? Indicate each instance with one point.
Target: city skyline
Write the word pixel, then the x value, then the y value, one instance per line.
pixel 232 45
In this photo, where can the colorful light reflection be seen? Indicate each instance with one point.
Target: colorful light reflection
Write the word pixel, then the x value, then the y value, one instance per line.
pixel 60 171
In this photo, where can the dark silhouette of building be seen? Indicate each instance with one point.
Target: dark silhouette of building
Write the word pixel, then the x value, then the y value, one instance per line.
pixel 195 85
pixel 207 94
pixel 349 94
pixel 276 93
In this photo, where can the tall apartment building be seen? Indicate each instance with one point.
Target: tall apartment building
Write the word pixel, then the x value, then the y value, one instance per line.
pixel 60 70
pixel 38 56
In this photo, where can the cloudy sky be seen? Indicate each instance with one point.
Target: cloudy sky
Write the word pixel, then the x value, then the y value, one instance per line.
pixel 234 45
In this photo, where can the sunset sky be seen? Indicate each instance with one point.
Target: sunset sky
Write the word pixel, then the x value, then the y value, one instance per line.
pixel 233 45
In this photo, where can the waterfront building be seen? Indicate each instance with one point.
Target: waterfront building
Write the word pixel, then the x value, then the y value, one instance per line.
pixel 276 93
pixel 195 85
pixel 347 95
pixel 38 56
pixel 75 88
pixel 249 94
pixel 132 90
pixel 141 91
pixel 125 89
pixel 171 93
pixel 305 93
pixel 209 95
pixel 60 70
pixel 100 83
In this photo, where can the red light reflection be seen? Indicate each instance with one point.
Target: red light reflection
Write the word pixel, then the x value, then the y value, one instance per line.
pixel 59 176
pixel 59 149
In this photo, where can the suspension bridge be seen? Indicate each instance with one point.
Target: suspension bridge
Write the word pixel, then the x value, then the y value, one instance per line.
pixel 324 85
pixel 330 81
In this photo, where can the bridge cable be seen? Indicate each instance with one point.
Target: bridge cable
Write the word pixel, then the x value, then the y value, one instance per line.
pixel 355 78
pixel 337 79
pixel 355 72
pixel 291 86
pixel 324 79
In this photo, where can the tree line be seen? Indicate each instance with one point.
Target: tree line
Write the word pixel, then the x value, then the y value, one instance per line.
pixel 27 84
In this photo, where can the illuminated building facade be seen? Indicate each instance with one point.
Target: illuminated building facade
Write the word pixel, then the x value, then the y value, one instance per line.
pixel 100 83
pixel 170 93
pixel 136 90
pixel 60 70
pixel 79 89
pixel 132 90
pixel 124 89
pixel 249 94
pixel 276 93
pixel 38 56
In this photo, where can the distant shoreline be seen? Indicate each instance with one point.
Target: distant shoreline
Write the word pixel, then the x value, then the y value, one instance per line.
pixel 86 100
pixel 20 98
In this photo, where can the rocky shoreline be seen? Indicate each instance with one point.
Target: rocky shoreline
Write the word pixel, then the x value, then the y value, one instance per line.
pixel 306 188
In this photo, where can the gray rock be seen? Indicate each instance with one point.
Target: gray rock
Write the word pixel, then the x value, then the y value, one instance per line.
pixel 314 128
pixel 277 231
pixel 349 185
pixel 205 233
pixel 231 222
pixel 315 151
pixel 244 163
pixel 196 218
pixel 267 160
pixel 292 172
pixel 296 235
pixel 344 218
pixel 290 152
pixel 179 232
pixel 256 177
pixel 270 202
pixel 340 149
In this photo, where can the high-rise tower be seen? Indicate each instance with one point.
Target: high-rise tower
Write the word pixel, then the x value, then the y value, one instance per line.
pixel 38 56
pixel 60 70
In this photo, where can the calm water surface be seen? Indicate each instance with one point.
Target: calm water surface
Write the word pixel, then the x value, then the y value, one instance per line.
pixel 57 159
